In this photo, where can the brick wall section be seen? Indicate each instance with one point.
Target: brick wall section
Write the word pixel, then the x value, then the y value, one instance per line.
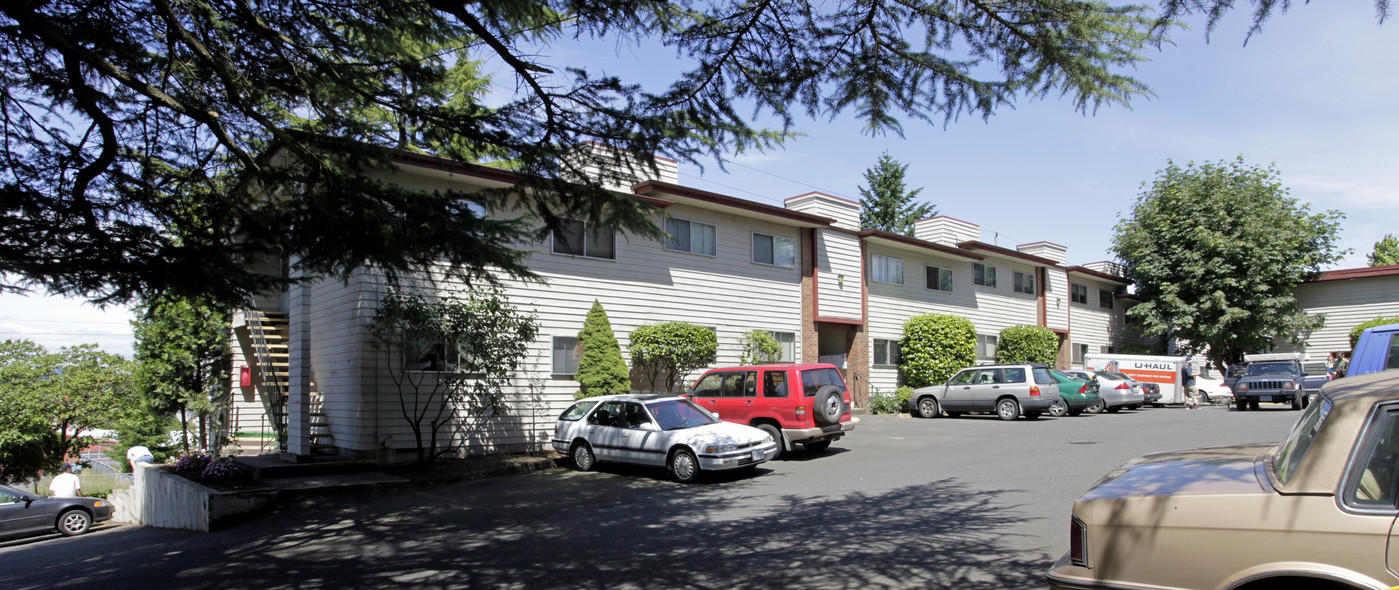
pixel 857 365
pixel 811 350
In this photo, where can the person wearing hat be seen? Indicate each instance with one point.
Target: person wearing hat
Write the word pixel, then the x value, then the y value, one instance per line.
pixel 1187 378
pixel 66 485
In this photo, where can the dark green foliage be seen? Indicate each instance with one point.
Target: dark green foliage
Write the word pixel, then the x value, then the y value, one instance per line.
pixel 1215 252
pixel 46 397
pixel 890 403
pixel 1027 344
pixel 182 368
pixel 668 352
pixel 1379 321
pixel 601 369
pixel 887 204
pixel 759 347
pixel 143 136
pixel 1386 252
pixel 934 346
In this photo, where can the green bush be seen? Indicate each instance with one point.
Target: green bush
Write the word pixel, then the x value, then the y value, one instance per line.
pixel 1027 344
pixel 601 370
pixel 667 352
pixel 887 403
pixel 934 346
pixel 1379 321
pixel 759 348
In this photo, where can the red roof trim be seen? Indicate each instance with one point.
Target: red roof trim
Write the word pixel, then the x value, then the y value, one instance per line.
pixel 655 186
pixel 893 237
pixel 972 245
pixel 1359 273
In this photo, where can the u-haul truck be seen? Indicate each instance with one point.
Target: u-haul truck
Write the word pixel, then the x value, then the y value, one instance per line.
pixel 1161 370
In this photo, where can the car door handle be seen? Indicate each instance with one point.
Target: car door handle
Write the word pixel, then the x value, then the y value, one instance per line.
pixel 748 403
pixel 995 387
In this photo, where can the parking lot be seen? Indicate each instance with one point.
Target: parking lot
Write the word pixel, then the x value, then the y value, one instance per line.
pixel 973 502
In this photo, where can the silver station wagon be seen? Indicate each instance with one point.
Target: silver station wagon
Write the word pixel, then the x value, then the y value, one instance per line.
pixel 1008 390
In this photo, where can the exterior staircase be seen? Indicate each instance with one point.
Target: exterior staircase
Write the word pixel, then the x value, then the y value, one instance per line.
pixel 267 352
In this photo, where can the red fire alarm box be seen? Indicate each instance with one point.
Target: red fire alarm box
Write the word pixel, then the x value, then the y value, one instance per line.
pixel 245 376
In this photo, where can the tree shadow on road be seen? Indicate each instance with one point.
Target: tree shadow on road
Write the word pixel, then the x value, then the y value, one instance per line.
pixel 580 530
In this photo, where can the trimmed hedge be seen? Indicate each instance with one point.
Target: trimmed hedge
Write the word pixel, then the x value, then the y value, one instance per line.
pixel 1027 344
pixel 934 346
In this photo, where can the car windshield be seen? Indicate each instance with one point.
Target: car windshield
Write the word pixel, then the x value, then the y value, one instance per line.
pixel 1272 369
pixel 1295 446
pixel 675 414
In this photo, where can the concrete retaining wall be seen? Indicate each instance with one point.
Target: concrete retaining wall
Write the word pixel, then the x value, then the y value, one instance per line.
pixel 162 499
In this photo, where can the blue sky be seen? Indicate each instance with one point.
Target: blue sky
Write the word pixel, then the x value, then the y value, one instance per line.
pixel 1313 94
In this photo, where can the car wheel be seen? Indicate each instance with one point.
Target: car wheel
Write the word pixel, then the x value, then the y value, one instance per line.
pixel 1205 398
pixel 1096 408
pixel 1296 402
pixel 817 447
pixel 74 522
pixel 1059 409
pixel 684 467
pixel 776 436
pixel 1008 409
pixel 928 408
pixel 1252 405
pixel 1113 409
pixel 1240 405
pixel 829 405
pixel 583 457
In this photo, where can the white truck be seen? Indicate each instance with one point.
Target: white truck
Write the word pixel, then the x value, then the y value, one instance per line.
pixel 1164 371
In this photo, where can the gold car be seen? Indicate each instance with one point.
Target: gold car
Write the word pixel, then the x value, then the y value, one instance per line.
pixel 1316 511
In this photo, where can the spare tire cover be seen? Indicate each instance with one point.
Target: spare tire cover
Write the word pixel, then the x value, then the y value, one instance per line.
pixel 829 405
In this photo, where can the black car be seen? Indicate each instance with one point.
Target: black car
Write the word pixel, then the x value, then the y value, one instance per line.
pixel 23 513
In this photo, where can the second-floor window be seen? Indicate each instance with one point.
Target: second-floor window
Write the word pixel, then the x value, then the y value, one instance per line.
pixel 774 250
pixel 1105 298
pixel 983 275
pixel 1024 283
pixel 580 238
pixel 1078 294
pixel 887 270
pixel 690 236
pixel 939 279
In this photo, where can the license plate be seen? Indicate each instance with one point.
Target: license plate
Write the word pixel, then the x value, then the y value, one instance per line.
pixel 758 455
pixel 1266 398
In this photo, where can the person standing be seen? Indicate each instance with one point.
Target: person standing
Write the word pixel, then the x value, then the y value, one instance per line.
pixel 66 485
pixel 1187 378
pixel 1342 365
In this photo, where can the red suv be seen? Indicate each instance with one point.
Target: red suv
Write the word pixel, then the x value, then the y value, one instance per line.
pixel 764 397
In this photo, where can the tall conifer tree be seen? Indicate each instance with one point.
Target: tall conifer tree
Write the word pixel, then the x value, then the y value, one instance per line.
pixel 601 370
pixel 887 204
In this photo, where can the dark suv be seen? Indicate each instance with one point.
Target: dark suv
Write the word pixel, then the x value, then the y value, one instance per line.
pixel 1271 380
pixel 804 404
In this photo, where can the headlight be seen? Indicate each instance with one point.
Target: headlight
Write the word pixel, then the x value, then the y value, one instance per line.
pixel 1242 387
pixel 720 449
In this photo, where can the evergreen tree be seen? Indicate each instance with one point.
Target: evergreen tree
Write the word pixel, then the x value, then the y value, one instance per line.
pixel 1386 252
pixel 887 204
pixel 601 369
pixel 183 364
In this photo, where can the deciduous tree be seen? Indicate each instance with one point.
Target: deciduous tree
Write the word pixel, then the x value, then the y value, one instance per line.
pixel 669 351
pixel 887 204
pixel 1386 251
pixel 759 347
pixel 1215 251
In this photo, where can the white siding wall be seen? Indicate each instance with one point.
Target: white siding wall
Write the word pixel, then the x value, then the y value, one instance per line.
pixel 1091 323
pixel 1345 304
pixel 1056 305
pixel 837 255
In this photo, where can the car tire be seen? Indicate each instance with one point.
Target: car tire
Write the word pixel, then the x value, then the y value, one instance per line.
pixel 1240 405
pixel 683 466
pixel 74 522
pixel 1059 409
pixel 1113 409
pixel 817 447
pixel 583 457
pixel 1008 409
pixel 1296 402
pixel 928 407
pixel 1252 405
pixel 777 437
pixel 828 406
pixel 1096 408
pixel 1205 398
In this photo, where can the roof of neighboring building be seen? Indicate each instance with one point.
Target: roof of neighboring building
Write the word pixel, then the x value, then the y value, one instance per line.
pixel 1097 274
pixel 875 234
pixel 716 201
pixel 983 246
pixel 1359 273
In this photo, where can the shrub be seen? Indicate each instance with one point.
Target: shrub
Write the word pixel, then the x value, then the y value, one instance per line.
pixel 886 403
pixel 224 470
pixel 668 352
pixel 934 346
pixel 192 465
pixel 1027 344
pixel 601 370
pixel 759 348
pixel 1379 321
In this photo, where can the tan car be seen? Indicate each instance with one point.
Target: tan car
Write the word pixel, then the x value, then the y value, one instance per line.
pixel 1316 511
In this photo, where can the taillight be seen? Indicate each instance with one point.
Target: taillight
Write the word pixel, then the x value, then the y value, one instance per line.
pixel 1078 542
pixel 1083 389
pixel 1034 390
pixel 1123 386
pixel 801 413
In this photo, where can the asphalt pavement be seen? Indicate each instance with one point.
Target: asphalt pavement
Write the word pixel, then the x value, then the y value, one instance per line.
pixel 968 503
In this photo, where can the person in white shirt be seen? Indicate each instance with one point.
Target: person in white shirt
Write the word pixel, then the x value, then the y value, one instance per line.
pixel 139 454
pixel 66 485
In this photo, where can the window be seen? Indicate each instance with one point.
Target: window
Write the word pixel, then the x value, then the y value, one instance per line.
pixel 775 384
pixel 774 250
pixel 985 346
pixel 788 340
pixel 433 354
pixel 814 379
pixel 1105 298
pixel 887 270
pixel 939 279
pixel 565 355
pixel 886 352
pixel 740 384
pixel 1078 294
pixel 1024 283
pixel 1371 483
pixel 1016 375
pixel 690 236
pixel 582 239
pixel 1080 351
pixel 983 275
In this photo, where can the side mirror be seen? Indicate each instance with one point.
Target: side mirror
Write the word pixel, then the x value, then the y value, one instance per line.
pixel 649 426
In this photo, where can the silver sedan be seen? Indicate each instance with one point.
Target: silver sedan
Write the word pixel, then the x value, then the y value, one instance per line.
pixel 1119 391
